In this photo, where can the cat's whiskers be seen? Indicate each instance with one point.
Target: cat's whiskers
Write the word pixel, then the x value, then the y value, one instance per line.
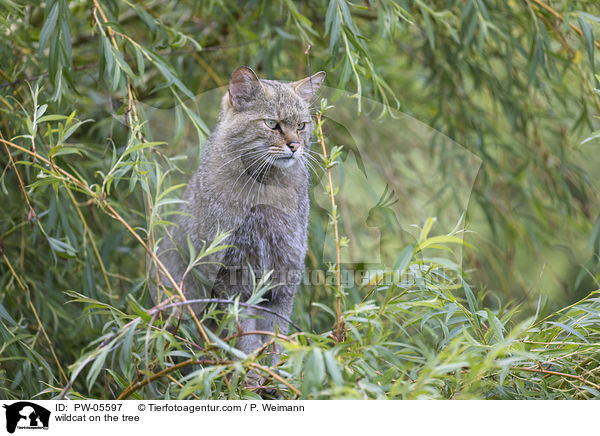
pixel 239 156
pixel 258 173
pixel 309 165
pixel 314 160
pixel 240 149
pixel 310 161
pixel 263 158
pixel 315 153
pixel 245 171
pixel 264 184
pixel 270 160
pixel 261 154
pixel 316 175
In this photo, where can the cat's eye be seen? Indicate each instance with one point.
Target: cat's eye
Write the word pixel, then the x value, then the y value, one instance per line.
pixel 271 124
pixel 301 126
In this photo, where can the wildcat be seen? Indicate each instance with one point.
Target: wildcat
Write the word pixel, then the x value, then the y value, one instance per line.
pixel 252 181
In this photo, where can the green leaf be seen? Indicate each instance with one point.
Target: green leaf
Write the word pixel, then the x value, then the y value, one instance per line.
pixel 126 347
pixel 61 247
pixel 97 367
pixel 495 324
pixel 48 28
pixel 4 315
pixel 404 258
pixel 137 308
pixel 332 368
pixel 428 28
pixel 569 329
pixel 314 371
pixel 588 36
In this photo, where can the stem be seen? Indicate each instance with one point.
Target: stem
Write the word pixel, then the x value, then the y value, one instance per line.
pixel 21 185
pixel 339 316
pixel 560 374
pixel 560 17
pixel 276 377
pixel 137 385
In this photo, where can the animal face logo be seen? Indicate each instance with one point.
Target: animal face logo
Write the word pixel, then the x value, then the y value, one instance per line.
pixel 26 415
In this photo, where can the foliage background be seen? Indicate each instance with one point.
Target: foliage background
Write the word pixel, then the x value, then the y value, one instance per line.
pixel 513 82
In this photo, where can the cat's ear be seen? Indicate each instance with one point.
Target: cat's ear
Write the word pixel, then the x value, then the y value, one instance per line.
pixel 242 85
pixel 308 87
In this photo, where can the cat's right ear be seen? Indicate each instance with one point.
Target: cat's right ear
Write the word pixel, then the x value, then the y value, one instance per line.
pixel 242 86
pixel 306 88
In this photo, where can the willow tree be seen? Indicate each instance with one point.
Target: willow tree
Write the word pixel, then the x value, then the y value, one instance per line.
pixel 515 83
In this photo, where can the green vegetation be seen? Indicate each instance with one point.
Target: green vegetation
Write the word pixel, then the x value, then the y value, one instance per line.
pixel 486 109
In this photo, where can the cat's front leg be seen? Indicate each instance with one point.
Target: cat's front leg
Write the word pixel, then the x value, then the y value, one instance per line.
pixel 247 341
pixel 276 318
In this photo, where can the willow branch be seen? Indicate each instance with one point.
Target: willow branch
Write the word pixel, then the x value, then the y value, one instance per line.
pixel 115 215
pixel 137 385
pixel 276 377
pixel 559 374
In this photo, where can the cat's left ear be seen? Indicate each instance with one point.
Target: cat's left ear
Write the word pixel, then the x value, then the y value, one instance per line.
pixel 242 86
pixel 307 88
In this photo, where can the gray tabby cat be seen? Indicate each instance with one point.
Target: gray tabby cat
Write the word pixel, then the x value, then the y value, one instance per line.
pixel 252 181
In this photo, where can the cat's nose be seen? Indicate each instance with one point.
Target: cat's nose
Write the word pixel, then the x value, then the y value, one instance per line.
pixel 293 145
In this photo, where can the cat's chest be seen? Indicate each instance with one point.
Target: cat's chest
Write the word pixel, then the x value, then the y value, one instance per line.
pixel 271 238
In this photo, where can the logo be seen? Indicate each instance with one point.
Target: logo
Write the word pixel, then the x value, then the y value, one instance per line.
pixel 26 415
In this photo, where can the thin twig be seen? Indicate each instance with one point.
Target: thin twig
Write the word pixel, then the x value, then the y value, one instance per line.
pixel 64 391
pixel 339 317
pixel 32 213
pixel 571 50
pixel 160 308
pixel 137 385
pixel 276 377
pixel 560 17
pixel 174 380
pixel 559 374
pixel 257 332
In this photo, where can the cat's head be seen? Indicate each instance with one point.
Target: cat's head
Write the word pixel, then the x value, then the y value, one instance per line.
pixel 269 120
